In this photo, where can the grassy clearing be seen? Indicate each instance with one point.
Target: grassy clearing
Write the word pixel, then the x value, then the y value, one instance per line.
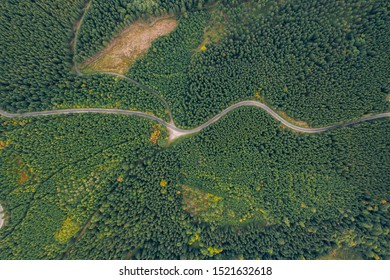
pixel 131 44
pixel 342 254
pixel 202 205
pixel 213 33
pixel 215 208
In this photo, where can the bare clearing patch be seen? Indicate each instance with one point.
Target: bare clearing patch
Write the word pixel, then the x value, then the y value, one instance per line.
pixel 202 205
pixel 173 134
pixel 132 43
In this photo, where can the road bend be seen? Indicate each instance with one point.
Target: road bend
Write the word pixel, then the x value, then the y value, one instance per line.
pixel 181 131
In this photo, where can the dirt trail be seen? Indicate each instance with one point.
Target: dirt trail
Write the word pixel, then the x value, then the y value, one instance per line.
pixel 1 216
pixel 174 134
pixel 76 28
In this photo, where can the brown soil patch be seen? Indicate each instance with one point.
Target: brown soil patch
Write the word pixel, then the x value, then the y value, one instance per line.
pixel 23 176
pixel 132 43
pixel 23 171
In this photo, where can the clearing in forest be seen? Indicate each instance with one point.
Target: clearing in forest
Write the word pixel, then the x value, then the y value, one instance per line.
pixel 132 43
pixel 206 207
pixel 342 254
pixel 203 206
pixel 213 33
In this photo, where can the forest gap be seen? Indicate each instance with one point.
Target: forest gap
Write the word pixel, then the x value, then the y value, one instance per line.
pixel 132 43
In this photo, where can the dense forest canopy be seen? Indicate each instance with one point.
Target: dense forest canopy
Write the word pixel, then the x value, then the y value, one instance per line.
pixel 92 186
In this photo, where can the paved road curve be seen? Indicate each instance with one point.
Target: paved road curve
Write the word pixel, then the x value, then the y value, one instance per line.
pixel 181 131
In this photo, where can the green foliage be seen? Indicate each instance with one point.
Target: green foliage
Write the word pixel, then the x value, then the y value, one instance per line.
pixel 35 54
pixel 37 63
pixel 106 19
pixel 322 62
pixel 319 62
pixel 278 195
pixel 105 187
pixel 166 68
pixel 105 91
pixel 75 162
pixel 319 184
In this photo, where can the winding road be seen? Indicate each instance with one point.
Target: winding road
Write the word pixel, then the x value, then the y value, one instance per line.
pixel 176 132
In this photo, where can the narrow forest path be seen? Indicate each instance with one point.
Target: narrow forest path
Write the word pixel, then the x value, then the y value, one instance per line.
pixel 1 216
pixel 147 89
pixel 76 35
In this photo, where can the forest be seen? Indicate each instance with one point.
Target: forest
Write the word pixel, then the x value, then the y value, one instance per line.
pixel 318 61
pixel 90 186
pixel 41 75
pixel 100 187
